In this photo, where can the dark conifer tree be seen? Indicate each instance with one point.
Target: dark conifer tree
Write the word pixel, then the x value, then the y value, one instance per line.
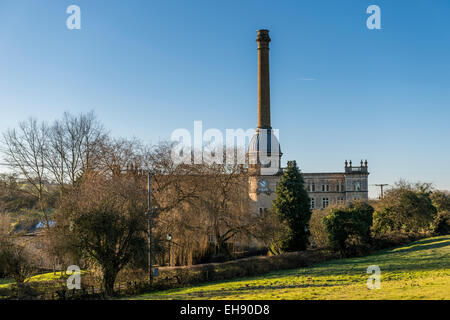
pixel 292 206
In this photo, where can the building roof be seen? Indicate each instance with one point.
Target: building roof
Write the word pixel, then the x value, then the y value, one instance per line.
pixel 264 140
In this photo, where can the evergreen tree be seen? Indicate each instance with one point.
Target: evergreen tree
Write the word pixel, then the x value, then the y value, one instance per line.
pixel 292 207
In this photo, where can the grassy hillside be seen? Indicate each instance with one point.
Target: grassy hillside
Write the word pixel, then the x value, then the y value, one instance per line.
pixel 420 270
pixel 45 277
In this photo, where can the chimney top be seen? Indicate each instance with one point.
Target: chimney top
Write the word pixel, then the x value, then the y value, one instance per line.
pixel 263 38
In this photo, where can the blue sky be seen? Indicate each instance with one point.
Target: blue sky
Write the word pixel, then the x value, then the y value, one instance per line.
pixel 338 90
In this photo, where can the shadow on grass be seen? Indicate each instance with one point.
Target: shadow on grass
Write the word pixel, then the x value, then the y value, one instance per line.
pixel 401 260
pixel 407 258
pixel 424 245
pixel 234 291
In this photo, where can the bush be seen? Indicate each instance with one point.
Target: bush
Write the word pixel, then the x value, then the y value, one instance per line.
pixel 16 261
pixel 171 277
pixel 441 200
pixel 349 229
pixel 441 225
pixel 395 239
pixel 383 221
pixel 319 235
pixel 406 208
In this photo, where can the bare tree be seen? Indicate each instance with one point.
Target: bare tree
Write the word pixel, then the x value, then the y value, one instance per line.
pixel 224 200
pixel 74 145
pixel 25 151
pixel 119 155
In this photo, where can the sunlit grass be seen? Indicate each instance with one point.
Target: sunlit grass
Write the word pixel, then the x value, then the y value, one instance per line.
pixel 45 277
pixel 420 270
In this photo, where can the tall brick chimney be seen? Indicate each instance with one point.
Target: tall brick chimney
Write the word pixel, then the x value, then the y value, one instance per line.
pixel 264 152
pixel 263 40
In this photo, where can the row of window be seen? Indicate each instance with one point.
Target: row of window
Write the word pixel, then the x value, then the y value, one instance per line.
pixel 311 187
pixel 321 204
pixel 325 202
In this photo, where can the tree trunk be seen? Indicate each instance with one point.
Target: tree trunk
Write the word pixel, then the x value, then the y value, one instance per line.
pixel 109 278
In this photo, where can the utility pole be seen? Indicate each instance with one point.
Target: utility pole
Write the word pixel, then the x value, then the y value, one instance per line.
pixel 381 188
pixel 150 227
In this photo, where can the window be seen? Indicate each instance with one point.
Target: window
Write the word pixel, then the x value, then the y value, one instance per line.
pixel 325 202
pixel 261 211
pixel 325 187
pixel 357 186
pixel 312 203
pixel 340 200
pixel 312 187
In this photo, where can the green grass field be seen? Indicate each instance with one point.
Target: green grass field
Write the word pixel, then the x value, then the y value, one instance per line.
pixel 420 270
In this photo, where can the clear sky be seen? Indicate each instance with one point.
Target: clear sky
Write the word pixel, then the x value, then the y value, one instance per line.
pixel 338 90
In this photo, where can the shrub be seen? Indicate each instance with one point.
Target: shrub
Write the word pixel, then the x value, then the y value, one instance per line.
pixel 349 229
pixel 319 235
pixel 441 225
pixel 171 277
pixel 383 222
pixel 441 200
pixel 16 261
pixel 395 239
pixel 406 208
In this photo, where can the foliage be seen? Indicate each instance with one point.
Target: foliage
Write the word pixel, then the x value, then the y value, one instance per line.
pixel 292 206
pixel 441 200
pixel 15 260
pixel 270 231
pixel 106 223
pixel 319 235
pixel 406 208
pixel 349 228
pixel 393 239
pixel 441 223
